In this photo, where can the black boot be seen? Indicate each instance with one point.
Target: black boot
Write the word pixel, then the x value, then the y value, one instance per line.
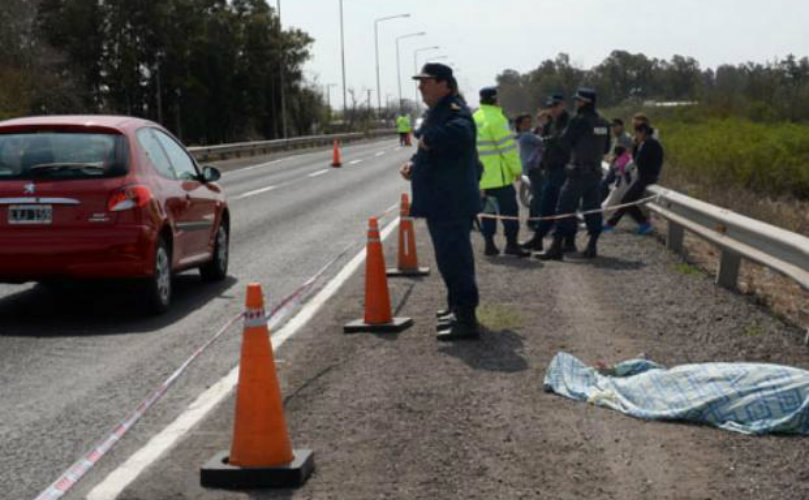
pixel 534 244
pixel 554 252
pixel 443 312
pixel 513 248
pixel 590 251
pixel 465 327
pixel 491 248
pixel 570 244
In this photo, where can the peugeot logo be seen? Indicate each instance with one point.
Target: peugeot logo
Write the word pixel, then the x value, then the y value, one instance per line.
pixel 29 188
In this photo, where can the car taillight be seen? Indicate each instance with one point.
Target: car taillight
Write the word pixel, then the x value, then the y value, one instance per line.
pixel 128 198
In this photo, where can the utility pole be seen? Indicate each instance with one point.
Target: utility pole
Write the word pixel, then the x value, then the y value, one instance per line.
pixel 343 58
pixel 399 66
pixel 281 74
pixel 376 53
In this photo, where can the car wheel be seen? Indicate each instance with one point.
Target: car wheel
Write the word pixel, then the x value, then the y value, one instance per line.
pixel 158 287
pixel 217 268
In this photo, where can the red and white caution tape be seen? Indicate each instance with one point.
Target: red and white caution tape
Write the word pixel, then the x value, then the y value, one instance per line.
pixel 279 313
pixel 612 208
pixel 72 476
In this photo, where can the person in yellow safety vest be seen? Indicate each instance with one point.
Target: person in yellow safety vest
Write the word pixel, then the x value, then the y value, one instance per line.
pixel 497 151
pixel 403 127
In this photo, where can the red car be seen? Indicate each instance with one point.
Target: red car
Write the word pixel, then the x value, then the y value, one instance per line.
pixel 107 197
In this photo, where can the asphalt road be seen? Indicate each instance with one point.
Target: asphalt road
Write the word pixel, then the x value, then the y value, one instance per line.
pixel 74 361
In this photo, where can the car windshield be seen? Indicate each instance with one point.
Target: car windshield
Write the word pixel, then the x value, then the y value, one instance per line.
pixel 61 155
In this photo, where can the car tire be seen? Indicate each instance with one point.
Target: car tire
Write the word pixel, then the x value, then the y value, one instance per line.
pixel 217 268
pixel 159 286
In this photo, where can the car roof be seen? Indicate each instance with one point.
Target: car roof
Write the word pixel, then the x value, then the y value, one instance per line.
pixel 115 122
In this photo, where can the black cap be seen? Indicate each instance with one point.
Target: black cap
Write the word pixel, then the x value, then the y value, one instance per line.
pixel 554 99
pixel 487 93
pixel 437 71
pixel 586 94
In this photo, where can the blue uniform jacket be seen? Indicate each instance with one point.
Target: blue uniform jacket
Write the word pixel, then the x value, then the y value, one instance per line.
pixel 445 176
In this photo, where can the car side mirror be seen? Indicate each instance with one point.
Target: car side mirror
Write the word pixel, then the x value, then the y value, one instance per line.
pixel 211 174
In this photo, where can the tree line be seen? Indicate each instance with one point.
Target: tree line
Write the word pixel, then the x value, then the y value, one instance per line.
pixel 773 91
pixel 209 70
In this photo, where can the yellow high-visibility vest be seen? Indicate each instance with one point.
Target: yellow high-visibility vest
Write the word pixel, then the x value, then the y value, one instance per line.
pixel 497 148
pixel 403 124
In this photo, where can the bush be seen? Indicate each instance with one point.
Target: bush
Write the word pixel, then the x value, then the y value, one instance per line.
pixel 766 159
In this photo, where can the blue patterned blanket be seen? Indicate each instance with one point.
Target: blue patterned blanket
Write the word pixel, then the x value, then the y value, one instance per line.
pixel 751 398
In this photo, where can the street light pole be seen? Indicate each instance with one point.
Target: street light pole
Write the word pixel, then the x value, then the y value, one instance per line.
pixel 376 52
pixel 399 66
pixel 416 70
pixel 281 74
pixel 343 58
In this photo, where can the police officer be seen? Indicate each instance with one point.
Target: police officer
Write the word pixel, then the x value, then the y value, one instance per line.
pixel 444 176
pixel 498 153
pixel 587 137
pixel 403 127
pixel 554 159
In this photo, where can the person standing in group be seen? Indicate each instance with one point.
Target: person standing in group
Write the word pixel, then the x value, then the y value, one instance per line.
pixel 444 180
pixel 497 151
pixel 587 137
pixel 403 127
pixel 621 141
pixel 648 158
pixel 554 159
pixel 530 145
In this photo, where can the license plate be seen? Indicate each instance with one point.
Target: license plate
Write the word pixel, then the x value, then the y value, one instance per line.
pixel 30 214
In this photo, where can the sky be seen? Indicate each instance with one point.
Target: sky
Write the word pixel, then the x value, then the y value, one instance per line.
pixel 480 38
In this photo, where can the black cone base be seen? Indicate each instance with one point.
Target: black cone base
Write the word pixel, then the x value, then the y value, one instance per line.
pixel 395 272
pixel 218 473
pixel 397 325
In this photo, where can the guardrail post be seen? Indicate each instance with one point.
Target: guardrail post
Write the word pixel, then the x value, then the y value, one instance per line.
pixel 674 242
pixel 728 274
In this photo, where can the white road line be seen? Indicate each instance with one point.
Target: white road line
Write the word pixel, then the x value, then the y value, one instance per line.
pixel 381 153
pixel 354 162
pixel 253 193
pixel 120 478
pixel 253 167
pixel 319 172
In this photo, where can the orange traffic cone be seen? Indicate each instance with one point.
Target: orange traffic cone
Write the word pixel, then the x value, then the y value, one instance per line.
pixel 261 454
pixel 408 261
pixel 336 155
pixel 378 317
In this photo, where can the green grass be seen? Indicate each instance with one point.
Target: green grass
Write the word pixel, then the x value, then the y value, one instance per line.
pixel 685 268
pixel 500 317
pixel 753 330
pixel 769 159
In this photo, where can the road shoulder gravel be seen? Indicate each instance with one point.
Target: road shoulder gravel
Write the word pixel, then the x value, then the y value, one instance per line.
pixel 403 416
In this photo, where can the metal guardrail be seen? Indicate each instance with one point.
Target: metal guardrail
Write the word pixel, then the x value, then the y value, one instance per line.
pixel 736 235
pixel 225 151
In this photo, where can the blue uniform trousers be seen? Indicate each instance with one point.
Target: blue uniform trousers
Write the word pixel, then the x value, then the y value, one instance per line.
pixel 456 263
pixel 506 201
pixel 583 186
pixel 552 185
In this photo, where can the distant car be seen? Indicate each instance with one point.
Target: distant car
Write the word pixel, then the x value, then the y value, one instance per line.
pixel 107 197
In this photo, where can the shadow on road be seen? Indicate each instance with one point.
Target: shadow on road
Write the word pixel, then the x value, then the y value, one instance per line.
pixel 496 351
pixel 86 308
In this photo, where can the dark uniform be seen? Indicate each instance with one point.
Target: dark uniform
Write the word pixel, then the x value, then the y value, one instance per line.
pixel 554 159
pixel 445 192
pixel 587 137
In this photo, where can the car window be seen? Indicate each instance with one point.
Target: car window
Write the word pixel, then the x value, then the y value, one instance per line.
pixel 183 164
pixel 61 155
pixel 155 153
